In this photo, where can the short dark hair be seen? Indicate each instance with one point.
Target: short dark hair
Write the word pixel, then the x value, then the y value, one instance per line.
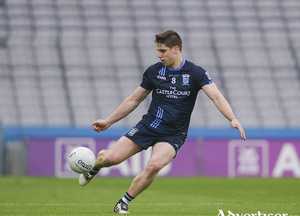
pixel 169 38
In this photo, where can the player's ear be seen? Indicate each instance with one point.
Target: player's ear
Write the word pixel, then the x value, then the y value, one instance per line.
pixel 176 49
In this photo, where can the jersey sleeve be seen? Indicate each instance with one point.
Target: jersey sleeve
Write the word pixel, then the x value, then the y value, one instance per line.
pixel 147 81
pixel 203 78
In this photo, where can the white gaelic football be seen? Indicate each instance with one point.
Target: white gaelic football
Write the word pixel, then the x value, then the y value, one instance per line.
pixel 81 160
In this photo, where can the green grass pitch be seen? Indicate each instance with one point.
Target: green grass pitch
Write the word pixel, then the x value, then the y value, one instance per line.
pixel 166 196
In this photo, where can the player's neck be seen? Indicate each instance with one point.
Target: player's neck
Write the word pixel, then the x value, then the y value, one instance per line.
pixel 177 63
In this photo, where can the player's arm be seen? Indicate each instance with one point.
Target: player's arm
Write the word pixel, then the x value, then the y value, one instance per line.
pixel 128 105
pixel 222 104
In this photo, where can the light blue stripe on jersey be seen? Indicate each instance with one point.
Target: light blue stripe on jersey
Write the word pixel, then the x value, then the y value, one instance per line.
pixel 159 115
pixel 162 72
pixel 177 69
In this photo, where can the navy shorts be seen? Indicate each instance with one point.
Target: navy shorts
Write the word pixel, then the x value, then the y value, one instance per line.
pixel 146 137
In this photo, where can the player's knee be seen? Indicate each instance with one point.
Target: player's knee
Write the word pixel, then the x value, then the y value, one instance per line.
pixel 154 167
pixel 102 152
pixel 102 156
pixel 107 159
pixel 112 160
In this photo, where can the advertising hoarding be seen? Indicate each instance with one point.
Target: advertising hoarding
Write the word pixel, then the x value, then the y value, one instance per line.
pixel 49 157
pixel 251 158
pixel 231 158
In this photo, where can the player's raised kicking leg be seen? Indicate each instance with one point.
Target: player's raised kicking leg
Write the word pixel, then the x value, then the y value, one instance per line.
pixel 162 154
pixel 123 149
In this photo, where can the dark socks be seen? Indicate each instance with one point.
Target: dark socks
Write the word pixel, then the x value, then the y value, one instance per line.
pixel 94 171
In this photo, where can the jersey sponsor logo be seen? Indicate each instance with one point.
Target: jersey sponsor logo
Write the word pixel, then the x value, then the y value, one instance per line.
pixel 132 131
pixel 185 79
pixel 173 92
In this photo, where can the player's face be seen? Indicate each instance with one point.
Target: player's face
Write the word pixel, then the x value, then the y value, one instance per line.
pixel 166 54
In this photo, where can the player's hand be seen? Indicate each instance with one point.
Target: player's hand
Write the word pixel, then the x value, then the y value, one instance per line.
pixel 236 124
pixel 100 125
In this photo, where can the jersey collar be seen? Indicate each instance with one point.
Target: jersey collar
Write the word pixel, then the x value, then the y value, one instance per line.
pixel 177 69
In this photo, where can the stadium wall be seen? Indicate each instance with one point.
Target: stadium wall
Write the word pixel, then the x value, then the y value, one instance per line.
pixel 208 152
pixel 12 133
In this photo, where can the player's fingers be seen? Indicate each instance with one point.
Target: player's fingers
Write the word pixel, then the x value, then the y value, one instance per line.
pixel 242 132
pixel 243 135
pixel 96 128
pixel 94 123
pixel 240 128
pixel 237 125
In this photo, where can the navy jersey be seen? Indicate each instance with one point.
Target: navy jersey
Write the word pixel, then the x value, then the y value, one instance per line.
pixel 174 93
